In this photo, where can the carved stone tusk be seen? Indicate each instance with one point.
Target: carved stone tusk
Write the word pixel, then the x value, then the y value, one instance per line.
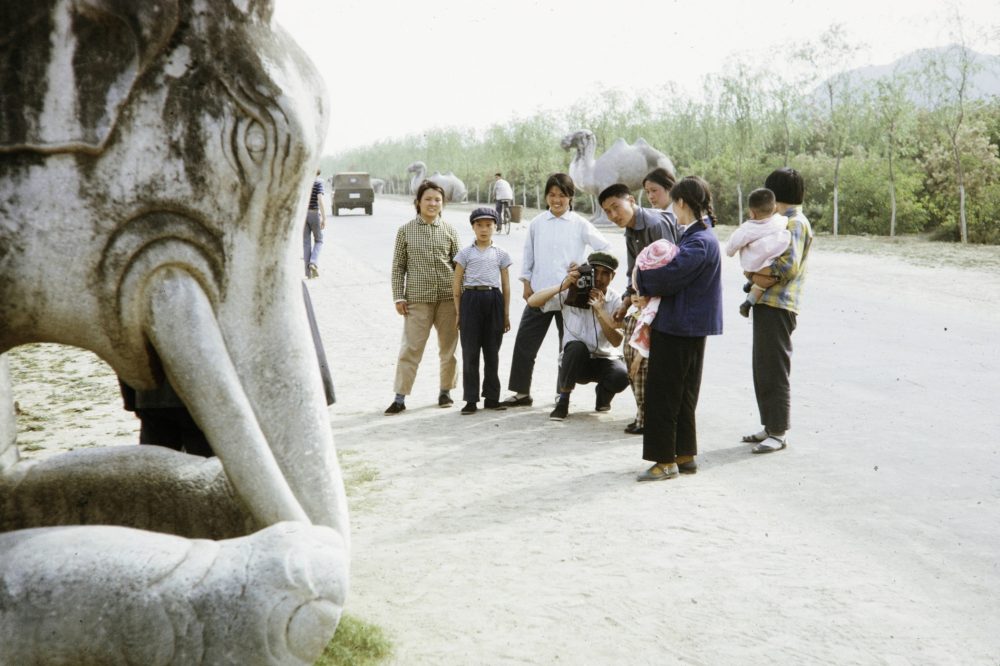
pixel 8 424
pixel 182 327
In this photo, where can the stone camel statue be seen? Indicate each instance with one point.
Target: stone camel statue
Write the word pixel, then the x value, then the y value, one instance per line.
pixel 454 188
pixel 155 162
pixel 621 163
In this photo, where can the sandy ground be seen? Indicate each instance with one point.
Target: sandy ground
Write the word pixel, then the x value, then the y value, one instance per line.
pixel 505 538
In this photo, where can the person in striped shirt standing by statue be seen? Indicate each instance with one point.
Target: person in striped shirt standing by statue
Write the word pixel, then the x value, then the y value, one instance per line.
pixel 312 234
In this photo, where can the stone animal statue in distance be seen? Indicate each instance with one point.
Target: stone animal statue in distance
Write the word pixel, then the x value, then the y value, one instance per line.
pixel 453 186
pixel 155 163
pixel 621 163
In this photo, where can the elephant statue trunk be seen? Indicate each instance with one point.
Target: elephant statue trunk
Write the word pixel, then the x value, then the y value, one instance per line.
pixel 155 162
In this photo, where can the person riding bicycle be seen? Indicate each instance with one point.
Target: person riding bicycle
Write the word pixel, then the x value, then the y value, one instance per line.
pixel 503 194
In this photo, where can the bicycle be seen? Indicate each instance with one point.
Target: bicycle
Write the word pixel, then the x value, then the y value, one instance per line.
pixel 504 224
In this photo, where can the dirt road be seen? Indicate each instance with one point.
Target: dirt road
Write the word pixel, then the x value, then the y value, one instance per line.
pixel 507 538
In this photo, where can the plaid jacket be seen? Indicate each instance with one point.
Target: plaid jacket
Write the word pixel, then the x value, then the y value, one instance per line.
pixel 423 261
pixel 790 267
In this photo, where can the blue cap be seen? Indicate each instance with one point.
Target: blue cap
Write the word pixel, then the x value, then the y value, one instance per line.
pixel 482 213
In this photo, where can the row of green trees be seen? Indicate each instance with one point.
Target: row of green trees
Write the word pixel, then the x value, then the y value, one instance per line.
pixel 909 152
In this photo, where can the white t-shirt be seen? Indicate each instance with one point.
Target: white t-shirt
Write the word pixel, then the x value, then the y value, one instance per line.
pixel 502 190
pixel 582 324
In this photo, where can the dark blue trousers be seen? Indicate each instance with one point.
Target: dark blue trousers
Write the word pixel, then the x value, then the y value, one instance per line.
pixel 672 388
pixel 481 317
pixel 530 334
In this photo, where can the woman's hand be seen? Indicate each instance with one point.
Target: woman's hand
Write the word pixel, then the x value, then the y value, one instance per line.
pixel 528 291
pixel 402 308
pixel 506 324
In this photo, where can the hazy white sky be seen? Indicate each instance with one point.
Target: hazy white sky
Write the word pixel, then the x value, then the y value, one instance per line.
pixel 395 67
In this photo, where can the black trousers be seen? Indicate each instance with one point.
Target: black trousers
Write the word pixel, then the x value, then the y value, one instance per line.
pixel 772 365
pixel 481 316
pixel 530 333
pixel 173 428
pixel 577 367
pixel 672 388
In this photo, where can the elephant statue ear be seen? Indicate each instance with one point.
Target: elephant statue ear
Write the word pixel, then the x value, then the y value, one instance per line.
pixel 67 68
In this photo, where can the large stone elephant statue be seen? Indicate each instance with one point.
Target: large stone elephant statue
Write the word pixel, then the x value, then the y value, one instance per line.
pixel 155 164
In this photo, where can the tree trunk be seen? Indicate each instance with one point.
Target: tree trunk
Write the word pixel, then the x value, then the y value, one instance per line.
pixel 739 199
pixel 836 196
pixel 892 195
pixel 960 175
pixel 961 209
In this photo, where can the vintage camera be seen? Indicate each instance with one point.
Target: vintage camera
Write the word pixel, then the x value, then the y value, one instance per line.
pixel 579 292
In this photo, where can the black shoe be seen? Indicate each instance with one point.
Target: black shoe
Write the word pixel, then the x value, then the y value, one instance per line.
pixel 604 396
pixel 470 408
pixel 747 287
pixel 745 308
pixel 395 408
pixel 561 411
pixel 514 401
pixel 494 405
pixel 444 400
pixel 633 429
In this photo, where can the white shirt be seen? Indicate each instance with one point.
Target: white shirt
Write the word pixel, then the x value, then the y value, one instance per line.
pixel 553 243
pixel 582 324
pixel 502 190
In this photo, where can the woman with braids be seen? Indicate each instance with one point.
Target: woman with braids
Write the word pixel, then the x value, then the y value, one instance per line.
pixel 690 291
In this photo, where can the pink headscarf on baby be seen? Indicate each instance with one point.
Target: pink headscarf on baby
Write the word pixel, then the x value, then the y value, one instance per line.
pixel 656 254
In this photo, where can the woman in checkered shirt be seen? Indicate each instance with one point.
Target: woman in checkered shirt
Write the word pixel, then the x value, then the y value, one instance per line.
pixel 423 268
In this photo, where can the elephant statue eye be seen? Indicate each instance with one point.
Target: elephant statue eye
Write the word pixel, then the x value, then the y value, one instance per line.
pixel 256 141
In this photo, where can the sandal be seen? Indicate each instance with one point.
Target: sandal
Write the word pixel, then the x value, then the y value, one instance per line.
pixel 755 438
pixel 769 445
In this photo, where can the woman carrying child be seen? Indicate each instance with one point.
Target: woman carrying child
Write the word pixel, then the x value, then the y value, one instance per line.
pixel 690 291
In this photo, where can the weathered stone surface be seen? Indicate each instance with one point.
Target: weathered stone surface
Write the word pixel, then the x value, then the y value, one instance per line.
pixel 155 161
pixel 147 487
pixel 114 595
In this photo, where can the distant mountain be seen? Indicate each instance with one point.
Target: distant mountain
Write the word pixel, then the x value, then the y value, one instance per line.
pixel 985 81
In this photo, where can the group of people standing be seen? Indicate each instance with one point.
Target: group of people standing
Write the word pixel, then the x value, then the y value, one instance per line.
pixel 672 302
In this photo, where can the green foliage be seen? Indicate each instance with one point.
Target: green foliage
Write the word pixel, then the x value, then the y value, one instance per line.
pixel 356 643
pixel 743 126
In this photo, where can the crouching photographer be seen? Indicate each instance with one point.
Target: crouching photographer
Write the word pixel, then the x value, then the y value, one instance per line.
pixel 590 340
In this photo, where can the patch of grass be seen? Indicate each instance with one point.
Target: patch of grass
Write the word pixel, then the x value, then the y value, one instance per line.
pixel 356 473
pixel 356 643
pixel 31 447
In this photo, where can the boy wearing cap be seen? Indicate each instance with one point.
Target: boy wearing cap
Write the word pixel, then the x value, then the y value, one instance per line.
pixel 590 338
pixel 481 290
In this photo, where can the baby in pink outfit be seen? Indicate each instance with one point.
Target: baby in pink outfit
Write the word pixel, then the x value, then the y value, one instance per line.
pixel 656 254
pixel 760 240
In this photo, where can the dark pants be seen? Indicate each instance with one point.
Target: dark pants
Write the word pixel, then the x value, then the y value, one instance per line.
pixel 173 428
pixel 577 367
pixel 530 333
pixel 672 388
pixel 772 365
pixel 481 315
